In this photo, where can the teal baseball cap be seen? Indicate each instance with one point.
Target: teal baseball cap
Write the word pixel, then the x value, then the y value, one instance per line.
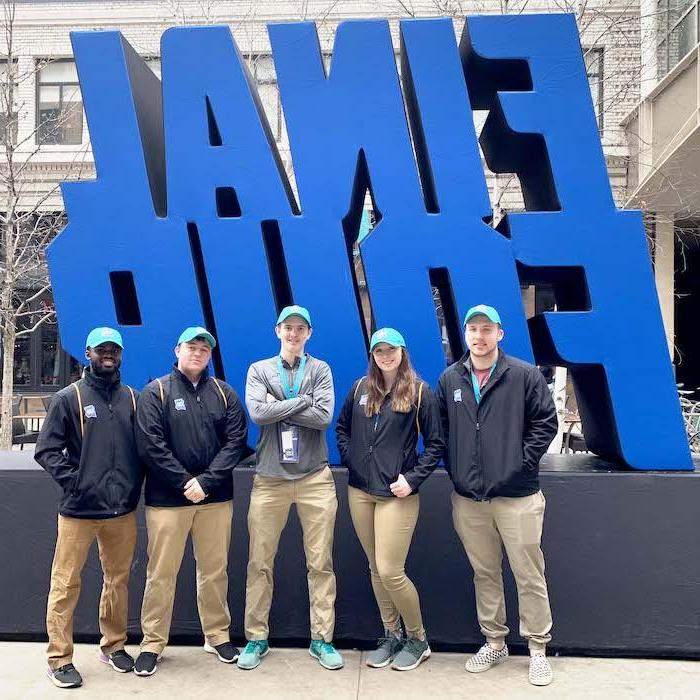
pixel 390 336
pixel 483 310
pixel 294 310
pixel 196 332
pixel 99 336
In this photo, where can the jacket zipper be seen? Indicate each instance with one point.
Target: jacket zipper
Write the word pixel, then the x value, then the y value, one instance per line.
pixel 203 423
pixel 478 456
pixel 376 423
pixel 478 436
pixel 110 395
pixel 479 465
pixel 201 414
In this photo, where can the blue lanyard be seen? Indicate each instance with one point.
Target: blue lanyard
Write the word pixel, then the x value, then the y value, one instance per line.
pixel 475 382
pixel 284 379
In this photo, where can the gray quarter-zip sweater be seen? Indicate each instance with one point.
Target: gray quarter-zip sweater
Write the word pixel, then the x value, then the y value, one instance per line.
pixel 311 410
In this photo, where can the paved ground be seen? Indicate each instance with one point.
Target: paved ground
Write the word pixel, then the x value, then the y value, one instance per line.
pixel 186 672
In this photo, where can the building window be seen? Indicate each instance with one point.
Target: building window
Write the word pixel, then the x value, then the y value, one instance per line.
pixel 593 58
pixel 22 366
pixel 40 364
pixel 8 112
pixel 59 104
pixel 677 32
pixel 50 356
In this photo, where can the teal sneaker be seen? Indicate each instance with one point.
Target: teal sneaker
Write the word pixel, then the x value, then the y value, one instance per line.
pixel 253 652
pixel 326 654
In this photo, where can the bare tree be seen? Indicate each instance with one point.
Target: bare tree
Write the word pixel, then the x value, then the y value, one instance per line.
pixel 28 222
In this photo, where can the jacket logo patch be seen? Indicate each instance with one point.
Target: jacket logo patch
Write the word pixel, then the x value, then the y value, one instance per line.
pixel 180 405
pixel 90 411
pixel 363 400
pixel 457 396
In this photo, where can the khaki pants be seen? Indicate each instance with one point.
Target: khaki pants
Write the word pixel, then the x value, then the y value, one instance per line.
pixel 168 528
pixel 116 539
pixel 485 527
pixel 316 503
pixel 385 526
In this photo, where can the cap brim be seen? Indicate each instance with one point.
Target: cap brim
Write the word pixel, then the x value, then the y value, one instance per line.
pixel 200 336
pixel 386 342
pixel 480 313
pixel 304 319
pixel 104 342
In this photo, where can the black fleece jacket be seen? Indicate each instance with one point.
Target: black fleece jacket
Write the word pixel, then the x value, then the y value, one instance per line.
pixel 98 466
pixel 379 448
pixel 494 448
pixel 189 432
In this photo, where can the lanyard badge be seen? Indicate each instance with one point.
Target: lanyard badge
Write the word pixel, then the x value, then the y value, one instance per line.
pixel 287 433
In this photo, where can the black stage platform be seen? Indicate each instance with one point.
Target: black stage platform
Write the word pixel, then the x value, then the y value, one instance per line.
pixel 622 551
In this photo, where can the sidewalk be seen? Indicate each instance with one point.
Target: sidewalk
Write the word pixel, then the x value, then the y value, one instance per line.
pixel 188 672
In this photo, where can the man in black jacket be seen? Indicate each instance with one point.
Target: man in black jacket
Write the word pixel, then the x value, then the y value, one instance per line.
pixel 499 419
pixel 191 433
pixel 87 444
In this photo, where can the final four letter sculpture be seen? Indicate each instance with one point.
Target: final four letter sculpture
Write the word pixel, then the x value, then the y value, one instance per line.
pixel 192 218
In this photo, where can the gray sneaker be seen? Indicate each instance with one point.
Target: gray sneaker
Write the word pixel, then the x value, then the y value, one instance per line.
pixel 412 653
pixel 387 648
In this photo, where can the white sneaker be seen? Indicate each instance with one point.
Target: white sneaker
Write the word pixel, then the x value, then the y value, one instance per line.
pixel 486 657
pixel 540 670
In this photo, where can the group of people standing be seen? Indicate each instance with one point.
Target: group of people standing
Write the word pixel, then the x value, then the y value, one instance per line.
pixel 490 419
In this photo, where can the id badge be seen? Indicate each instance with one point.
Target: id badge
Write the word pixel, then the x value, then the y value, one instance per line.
pixel 288 441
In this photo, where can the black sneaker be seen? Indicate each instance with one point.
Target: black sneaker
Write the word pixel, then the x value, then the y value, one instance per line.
pixel 146 663
pixel 120 661
pixel 66 676
pixel 226 651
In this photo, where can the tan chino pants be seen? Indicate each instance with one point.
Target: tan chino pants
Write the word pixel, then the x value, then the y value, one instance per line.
pixel 168 529
pixel 385 527
pixel 485 527
pixel 116 539
pixel 317 504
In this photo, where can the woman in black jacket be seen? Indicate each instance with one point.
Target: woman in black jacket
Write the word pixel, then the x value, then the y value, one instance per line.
pixel 377 433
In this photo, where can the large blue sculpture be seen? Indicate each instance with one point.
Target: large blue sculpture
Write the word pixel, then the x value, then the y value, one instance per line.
pixel 192 218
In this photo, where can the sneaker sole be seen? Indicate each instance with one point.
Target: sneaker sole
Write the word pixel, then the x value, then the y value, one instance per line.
pixel 419 661
pixel 149 673
pixel 211 650
pixel 59 684
pixel 260 658
pixel 328 668
pixel 384 664
pixel 107 661
pixel 485 668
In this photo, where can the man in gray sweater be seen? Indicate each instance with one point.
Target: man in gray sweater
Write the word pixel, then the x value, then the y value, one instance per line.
pixel 290 396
